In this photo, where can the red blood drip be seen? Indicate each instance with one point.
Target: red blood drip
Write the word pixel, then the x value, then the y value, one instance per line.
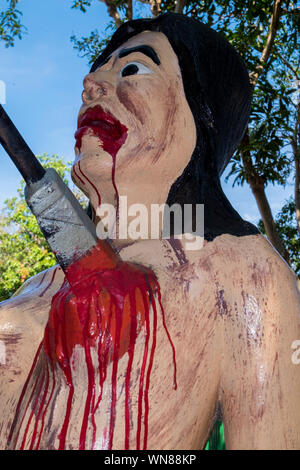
pixel 116 352
pixel 109 130
pixel 45 410
pixel 63 434
pixel 147 385
pixel 79 323
pixel 92 184
pixel 168 335
pixel 42 280
pixel 141 384
pixel 112 135
pixel 50 283
pixel 113 177
pixel 22 396
pixel 77 175
pixel 43 399
pixel 133 333
pixel 97 309
pixel 35 402
pixel 103 307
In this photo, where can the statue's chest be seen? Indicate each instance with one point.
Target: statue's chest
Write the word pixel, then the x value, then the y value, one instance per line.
pixel 113 363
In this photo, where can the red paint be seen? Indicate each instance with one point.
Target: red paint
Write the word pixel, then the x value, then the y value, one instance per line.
pixel 42 280
pixel 43 398
pixel 102 307
pixel 103 125
pixel 91 183
pixel 33 410
pixel 77 175
pixel 168 335
pixel 113 178
pixel 50 283
pixel 133 334
pixel 45 408
pixel 112 135
pixel 141 386
pixel 146 393
pixel 22 396
pixel 63 434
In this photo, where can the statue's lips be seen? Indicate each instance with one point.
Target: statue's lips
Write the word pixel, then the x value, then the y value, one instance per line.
pixel 101 124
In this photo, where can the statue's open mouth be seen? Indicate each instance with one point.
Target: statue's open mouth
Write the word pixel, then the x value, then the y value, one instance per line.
pixel 99 123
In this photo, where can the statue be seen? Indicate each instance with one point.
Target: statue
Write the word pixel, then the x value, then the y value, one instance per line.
pixel 153 340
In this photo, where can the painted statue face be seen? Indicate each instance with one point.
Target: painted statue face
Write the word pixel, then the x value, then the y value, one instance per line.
pixel 136 130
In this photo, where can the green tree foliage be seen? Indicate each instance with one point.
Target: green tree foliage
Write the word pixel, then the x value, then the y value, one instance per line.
pixel 119 10
pixel 91 46
pixel 24 251
pixel 287 227
pixel 10 23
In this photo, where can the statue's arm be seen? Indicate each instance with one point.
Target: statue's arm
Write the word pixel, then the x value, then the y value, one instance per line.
pixel 23 318
pixel 22 321
pixel 260 387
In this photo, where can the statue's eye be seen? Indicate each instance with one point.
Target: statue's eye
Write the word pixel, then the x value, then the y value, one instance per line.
pixel 134 68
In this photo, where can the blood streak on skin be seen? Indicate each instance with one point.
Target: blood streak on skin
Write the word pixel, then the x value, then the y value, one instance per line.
pixel 103 305
pixel 111 134
pixel 35 403
pixel 93 186
pixel 22 396
pixel 42 280
pixel 50 283
pixel 77 175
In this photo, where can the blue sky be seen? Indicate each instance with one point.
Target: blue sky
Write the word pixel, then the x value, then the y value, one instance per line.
pixel 43 76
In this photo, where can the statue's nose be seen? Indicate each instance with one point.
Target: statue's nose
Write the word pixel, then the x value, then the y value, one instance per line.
pixel 95 86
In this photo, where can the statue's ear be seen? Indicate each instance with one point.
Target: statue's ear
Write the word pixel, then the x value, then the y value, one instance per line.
pixel 90 212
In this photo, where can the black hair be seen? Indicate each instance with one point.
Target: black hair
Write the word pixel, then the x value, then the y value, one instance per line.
pixel 217 89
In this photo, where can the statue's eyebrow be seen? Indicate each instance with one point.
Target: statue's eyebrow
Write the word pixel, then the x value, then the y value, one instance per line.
pixel 144 49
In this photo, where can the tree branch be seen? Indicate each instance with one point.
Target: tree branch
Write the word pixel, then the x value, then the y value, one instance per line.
pixel 179 6
pixel 295 143
pixel 254 76
pixel 129 10
pixel 285 62
pixel 113 12
pixel 155 7
pixel 297 187
pixel 257 184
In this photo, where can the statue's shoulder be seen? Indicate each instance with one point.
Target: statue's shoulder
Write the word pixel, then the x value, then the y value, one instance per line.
pixel 47 278
pixel 30 304
pixel 250 257
pixel 253 277
pixel 247 267
pixel 257 262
